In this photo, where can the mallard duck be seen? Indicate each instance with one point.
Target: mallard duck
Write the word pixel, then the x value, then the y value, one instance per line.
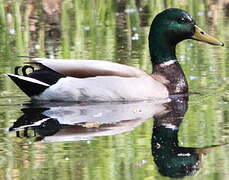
pixel 97 80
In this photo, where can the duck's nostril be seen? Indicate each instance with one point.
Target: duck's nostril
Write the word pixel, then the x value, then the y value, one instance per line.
pixel 202 32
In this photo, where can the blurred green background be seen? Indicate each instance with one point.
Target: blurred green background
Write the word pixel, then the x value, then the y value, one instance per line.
pixel 115 31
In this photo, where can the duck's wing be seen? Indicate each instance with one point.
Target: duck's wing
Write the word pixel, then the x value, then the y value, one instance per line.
pixel 89 68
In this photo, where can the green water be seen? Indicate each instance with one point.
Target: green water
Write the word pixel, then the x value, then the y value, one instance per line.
pixel 115 31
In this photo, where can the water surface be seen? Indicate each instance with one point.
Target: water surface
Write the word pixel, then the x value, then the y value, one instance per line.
pixel 78 148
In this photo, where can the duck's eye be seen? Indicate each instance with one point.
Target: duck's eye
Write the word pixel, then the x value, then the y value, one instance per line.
pixel 183 20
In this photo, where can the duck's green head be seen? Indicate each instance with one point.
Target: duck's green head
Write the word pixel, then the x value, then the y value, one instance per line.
pixel 169 28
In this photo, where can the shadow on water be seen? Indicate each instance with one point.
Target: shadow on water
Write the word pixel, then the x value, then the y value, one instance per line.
pixel 58 122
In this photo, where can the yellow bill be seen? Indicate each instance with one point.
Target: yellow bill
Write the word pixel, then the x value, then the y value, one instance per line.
pixel 200 35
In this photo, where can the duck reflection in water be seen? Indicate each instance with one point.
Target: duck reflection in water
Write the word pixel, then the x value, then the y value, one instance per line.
pixel 171 159
pixel 74 122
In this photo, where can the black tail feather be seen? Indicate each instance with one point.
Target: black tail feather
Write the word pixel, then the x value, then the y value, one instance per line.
pixel 28 85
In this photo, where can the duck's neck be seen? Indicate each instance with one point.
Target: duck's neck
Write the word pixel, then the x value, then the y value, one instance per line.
pixel 162 45
pixel 161 51
pixel 173 74
pixel 163 57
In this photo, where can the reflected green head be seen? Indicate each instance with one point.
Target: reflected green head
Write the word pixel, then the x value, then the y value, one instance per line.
pixel 168 28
